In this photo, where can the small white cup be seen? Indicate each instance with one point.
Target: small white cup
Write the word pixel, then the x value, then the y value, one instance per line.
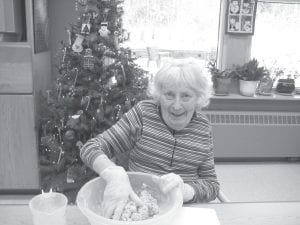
pixel 48 208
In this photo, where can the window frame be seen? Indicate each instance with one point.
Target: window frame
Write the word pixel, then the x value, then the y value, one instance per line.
pixel 199 54
pixel 236 50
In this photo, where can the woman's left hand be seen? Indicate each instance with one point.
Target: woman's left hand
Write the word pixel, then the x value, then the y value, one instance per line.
pixel 171 180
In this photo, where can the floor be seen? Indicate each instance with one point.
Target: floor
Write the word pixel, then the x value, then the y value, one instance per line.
pixel 260 181
pixel 241 182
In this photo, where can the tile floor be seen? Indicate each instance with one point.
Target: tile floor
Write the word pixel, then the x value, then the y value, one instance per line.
pixel 260 181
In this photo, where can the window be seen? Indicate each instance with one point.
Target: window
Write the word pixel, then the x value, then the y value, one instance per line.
pixel 177 28
pixel 276 36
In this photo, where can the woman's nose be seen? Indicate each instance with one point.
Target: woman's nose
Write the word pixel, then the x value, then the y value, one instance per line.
pixel 177 104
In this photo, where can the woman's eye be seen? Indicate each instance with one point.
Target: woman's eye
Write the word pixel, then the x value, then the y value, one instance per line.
pixel 186 96
pixel 169 95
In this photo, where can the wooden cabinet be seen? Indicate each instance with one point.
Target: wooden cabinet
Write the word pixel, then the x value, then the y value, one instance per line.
pixel 18 150
pixel 22 75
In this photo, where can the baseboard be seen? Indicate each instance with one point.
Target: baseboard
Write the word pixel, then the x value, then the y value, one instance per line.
pixel 20 191
pixel 257 159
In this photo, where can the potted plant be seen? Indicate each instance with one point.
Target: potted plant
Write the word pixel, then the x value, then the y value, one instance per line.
pixel 249 75
pixel 221 78
pixel 286 83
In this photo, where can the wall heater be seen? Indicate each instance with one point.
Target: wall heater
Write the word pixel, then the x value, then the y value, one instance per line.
pixel 248 134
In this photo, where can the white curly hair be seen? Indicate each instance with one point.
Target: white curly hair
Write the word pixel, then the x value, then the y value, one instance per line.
pixel 187 72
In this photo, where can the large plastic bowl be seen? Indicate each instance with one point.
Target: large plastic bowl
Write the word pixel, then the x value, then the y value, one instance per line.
pixel 90 195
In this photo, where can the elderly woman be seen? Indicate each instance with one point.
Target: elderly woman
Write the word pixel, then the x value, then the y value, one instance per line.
pixel 167 136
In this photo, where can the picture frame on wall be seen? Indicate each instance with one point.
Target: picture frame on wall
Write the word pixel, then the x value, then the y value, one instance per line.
pixel 241 16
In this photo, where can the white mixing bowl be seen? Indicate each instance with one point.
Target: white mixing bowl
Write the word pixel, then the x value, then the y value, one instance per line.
pixel 90 195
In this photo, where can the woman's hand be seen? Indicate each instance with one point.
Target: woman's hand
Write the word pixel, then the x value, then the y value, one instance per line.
pixel 171 180
pixel 117 192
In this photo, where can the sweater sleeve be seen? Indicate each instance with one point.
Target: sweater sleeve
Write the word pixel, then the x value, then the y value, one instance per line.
pixel 206 186
pixel 121 137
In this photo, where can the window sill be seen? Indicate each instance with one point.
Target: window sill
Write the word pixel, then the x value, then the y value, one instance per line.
pixel 237 102
pixel 274 96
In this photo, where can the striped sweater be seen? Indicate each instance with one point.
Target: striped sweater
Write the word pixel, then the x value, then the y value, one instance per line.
pixel 154 148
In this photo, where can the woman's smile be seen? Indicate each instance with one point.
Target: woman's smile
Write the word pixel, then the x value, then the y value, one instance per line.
pixel 176 114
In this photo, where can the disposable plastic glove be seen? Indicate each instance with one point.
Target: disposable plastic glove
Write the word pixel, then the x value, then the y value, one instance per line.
pixel 171 180
pixel 117 192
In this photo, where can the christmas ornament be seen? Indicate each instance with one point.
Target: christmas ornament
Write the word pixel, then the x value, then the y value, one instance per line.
pixel 123 74
pixel 77 46
pixel 86 24
pixel 59 90
pixel 88 59
pixel 99 115
pixel 92 9
pixel 85 28
pixel 76 76
pixel 73 121
pixel 112 82
pixel 100 48
pixel 85 102
pixel 120 8
pixel 69 135
pixel 127 104
pixel 79 144
pixel 110 53
pixel 103 31
pixel 105 13
pixel 82 2
pixel 64 50
pixel 125 35
pixel 116 39
pixel 107 61
pixel 119 113
pixel 119 77
pixel 69 37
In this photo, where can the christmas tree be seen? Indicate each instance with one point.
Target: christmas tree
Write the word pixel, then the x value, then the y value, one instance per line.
pixel 97 82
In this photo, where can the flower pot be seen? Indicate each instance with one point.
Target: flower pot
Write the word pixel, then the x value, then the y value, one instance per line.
pixel 248 88
pixel 222 86
pixel 286 86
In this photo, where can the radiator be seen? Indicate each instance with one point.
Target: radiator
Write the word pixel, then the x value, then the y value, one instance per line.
pixel 255 134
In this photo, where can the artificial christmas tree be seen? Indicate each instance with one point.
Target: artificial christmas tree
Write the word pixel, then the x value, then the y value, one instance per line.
pixel 98 81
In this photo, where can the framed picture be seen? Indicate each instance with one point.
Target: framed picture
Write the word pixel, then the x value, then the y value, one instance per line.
pixel 41 25
pixel 241 16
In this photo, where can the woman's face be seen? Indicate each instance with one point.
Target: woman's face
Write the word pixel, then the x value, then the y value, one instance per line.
pixel 178 105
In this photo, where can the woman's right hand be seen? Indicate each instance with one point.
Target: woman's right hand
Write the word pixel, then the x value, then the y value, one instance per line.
pixel 117 192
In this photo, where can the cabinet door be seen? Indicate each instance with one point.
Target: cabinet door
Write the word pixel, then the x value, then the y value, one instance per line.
pixel 18 148
pixel 15 69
